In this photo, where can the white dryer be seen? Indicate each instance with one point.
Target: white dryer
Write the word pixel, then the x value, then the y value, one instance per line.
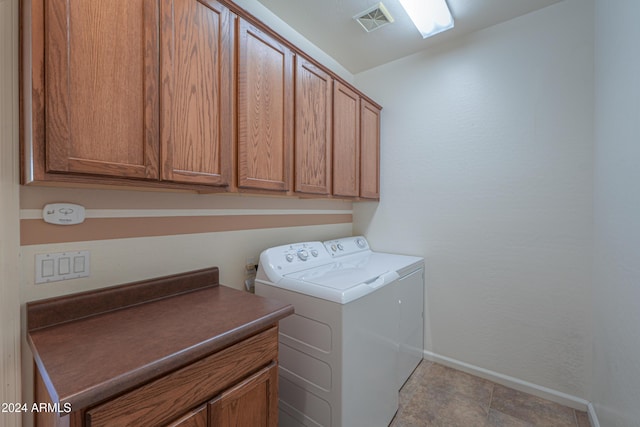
pixel 356 334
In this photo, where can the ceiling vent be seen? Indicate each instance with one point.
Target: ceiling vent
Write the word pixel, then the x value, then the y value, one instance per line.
pixel 373 18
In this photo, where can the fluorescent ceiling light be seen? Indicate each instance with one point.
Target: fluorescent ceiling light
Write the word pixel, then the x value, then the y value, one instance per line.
pixel 429 16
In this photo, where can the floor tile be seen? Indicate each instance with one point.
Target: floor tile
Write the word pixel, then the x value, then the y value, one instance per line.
pixel 532 409
pixel 498 419
pixel 441 379
pixel 583 419
pixel 437 396
pixel 433 408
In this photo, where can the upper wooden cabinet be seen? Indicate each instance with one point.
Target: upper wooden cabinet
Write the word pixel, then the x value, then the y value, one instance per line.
pixel 265 110
pixel 346 141
pixel 185 94
pixel 313 128
pixel 369 151
pixel 356 145
pixel 101 87
pixel 197 39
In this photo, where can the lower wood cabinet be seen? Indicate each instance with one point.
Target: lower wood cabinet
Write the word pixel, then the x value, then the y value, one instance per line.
pixel 254 402
pixel 237 386
pixel 196 418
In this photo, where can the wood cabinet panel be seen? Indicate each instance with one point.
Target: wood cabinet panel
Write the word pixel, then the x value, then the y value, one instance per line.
pixel 370 151
pixel 167 397
pixel 251 403
pixel 196 418
pixel 197 92
pixel 265 110
pixel 346 141
pixel 182 94
pixel 313 128
pixel 101 79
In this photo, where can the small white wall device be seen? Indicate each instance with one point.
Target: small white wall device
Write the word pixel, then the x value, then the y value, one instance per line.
pixel 63 213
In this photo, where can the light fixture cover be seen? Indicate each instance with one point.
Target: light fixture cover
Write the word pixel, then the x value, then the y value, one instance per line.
pixel 374 17
pixel 429 16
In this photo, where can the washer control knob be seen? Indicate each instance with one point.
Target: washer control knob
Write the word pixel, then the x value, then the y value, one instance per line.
pixel 289 257
pixel 303 254
pixel 340 246
pixel 314 253
pixel 334 247
pixel 360 242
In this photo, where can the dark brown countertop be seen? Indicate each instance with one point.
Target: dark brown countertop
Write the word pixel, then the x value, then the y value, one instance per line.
pixel 87 360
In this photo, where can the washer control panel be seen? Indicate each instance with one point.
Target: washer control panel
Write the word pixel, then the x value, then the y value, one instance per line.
pixel 278 262
pixel 294 257
pixel 346 246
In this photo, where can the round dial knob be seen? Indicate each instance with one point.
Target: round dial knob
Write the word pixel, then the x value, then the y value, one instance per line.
pixel 340 246
pixel 360 242
pixel 334 248
pixel 303 254
pixel 314 253
pixel 289 257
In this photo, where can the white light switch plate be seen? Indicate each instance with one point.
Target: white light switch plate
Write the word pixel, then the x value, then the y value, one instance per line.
pixel 62 266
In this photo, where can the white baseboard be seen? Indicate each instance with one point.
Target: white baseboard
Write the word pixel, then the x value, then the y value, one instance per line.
pixel 592 416
pixel 517 384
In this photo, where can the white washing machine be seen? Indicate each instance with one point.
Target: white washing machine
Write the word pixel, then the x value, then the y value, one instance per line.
pixel 356 334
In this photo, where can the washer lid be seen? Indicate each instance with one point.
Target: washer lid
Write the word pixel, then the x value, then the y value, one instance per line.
pixel 341 281
pixel 333 288
pixel 340 275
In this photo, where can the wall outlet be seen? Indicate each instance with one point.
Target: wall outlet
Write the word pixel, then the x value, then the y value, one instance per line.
pixel 250 270
pixel 62 266
pixel 250 266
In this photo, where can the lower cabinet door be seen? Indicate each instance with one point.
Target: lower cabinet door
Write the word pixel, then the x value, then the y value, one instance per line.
pixel 251 403
pixel 195 418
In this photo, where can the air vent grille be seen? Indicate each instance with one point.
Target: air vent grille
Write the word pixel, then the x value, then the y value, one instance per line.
pixel 373 18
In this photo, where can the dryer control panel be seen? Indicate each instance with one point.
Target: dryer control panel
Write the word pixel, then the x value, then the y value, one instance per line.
pixel 346 246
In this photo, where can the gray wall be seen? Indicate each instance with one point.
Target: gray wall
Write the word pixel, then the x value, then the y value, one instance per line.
pixel 616 295
pixel 487 172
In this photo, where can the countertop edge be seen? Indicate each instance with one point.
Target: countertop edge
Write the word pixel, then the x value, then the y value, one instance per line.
pixel 170 363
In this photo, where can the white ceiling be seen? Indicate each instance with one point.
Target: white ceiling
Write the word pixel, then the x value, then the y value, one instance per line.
pixel 330 26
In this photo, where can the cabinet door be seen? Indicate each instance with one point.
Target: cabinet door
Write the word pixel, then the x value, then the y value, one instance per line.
pixel 197 92
pixel 313 128
pixel 369 151
pixel 195 418
pixel 101 73
pixel 253 402
pixel 346 141
pixel 265 110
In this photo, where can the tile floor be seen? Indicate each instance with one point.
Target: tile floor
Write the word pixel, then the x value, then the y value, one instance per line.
pixel 437 396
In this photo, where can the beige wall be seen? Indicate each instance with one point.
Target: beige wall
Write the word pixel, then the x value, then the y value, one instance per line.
pixel 9 243
pixel 157 245
pixel 134 235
